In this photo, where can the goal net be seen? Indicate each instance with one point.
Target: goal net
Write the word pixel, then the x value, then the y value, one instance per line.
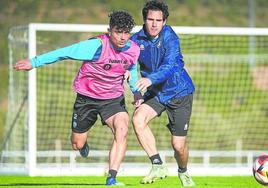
pixel 228 128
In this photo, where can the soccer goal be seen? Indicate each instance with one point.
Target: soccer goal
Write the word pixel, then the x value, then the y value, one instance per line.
pixel 228 128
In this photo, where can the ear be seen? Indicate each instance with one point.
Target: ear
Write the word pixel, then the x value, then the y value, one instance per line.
pixel 164 23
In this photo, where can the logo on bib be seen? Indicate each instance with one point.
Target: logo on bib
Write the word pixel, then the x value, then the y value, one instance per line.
pixel 107 66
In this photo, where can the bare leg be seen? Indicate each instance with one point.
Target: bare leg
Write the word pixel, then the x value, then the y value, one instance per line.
pixel 119 126
pixel 142 116
pixel 78 140
pixel 181 153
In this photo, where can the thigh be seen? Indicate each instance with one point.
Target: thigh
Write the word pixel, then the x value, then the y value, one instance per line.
pixel 118 121
pixel 84 114
pixel 78 139
pixel 179 113
pixel 155 105
pixel 148 111
pixel 111 107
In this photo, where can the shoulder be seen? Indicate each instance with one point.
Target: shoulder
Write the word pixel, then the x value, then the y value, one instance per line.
pixel 134 44
pixel 169 37
pixel 167 31
pixel 94 41
pixel 134 37
pixel 101 38
pixel 138 36
pixel 134 48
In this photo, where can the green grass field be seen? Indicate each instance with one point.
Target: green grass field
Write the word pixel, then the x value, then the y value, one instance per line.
pixel 92 181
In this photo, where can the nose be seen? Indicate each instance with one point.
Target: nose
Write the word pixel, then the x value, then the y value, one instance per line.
pixel 154 23
pixel 123 36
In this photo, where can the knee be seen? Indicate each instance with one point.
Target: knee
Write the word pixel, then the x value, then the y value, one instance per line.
pixel 123 130
pixel 138 123
pixel 121 133
pixel 179 147
pixel 78 140
pixel 76 145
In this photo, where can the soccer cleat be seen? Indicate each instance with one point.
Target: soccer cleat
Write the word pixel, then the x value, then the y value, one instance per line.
pixel 157 172
pixel 84 150
pixel 186 180
pixel 113 182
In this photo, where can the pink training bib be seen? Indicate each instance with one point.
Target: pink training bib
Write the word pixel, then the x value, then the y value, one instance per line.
pixel 103 79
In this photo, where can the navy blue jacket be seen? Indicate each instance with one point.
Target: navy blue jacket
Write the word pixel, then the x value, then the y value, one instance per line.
pixel 161 61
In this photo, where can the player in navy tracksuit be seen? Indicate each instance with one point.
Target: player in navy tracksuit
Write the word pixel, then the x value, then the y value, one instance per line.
pixel 169 88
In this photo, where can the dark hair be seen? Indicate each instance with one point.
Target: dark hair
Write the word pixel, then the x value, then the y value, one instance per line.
pixel 122 20
pixel 155 5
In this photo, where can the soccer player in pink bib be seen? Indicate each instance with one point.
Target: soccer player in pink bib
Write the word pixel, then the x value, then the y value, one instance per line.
pixel 107 58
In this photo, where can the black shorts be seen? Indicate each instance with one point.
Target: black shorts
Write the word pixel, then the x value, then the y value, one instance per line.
pixel 86 110
pixel 178 110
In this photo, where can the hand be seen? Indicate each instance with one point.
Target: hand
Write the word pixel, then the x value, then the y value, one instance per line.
pixel 143 83
pixel 23 65
pixel 127 76
pixel 138 99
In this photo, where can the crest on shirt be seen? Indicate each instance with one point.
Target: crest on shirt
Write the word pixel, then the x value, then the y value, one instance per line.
pixel 142 47
pixel 159 44
pixel 107 66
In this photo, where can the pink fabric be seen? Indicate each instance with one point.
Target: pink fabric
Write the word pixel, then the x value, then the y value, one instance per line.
pixel 103 79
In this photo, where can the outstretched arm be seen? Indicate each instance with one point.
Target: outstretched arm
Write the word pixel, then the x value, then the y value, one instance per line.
pixel 84 50
pixel 24 64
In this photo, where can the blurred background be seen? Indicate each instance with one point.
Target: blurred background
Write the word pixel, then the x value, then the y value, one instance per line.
pixel 234 13
pixel 224 13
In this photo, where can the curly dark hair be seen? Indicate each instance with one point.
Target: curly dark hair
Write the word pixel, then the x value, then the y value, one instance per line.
pixel 155 5
pixel 122 20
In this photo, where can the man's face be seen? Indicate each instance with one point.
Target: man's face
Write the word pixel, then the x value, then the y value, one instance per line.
pixel 119 38
pixel 154 22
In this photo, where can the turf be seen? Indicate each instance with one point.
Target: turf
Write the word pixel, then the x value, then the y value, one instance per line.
pixel 169 182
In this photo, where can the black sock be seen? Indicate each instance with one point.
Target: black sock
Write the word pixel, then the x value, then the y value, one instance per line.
pixel 112 174
pixel 156 159
pixel 182 170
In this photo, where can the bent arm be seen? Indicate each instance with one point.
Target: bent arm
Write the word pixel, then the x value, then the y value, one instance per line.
pixel 172 58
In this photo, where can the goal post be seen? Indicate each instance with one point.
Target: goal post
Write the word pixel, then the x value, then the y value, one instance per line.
pixel 32 104
pixel 230 105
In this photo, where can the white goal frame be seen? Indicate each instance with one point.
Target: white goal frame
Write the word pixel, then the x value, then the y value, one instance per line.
pixel 205 169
